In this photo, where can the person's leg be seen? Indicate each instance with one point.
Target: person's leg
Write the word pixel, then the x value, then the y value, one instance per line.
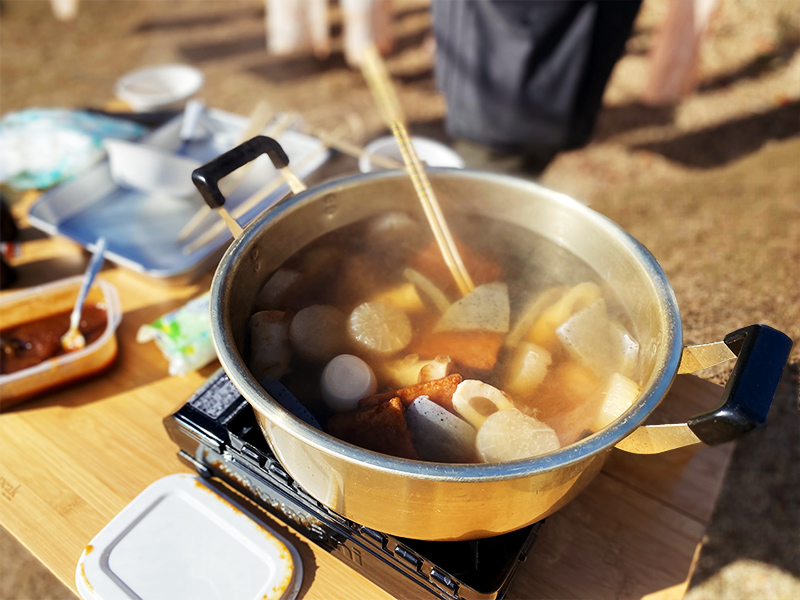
pixel 366 22
pixel 527 77
pixel 673 58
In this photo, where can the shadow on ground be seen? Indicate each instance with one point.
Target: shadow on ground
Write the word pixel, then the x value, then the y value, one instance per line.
pixel 724 143
pixel 760 496
pixel 755 68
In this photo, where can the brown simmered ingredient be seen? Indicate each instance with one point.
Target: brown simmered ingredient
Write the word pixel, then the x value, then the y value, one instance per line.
pixel 565 400
pixel 381 428
pixel 31 343
pixel 472 349
pixel 319 269
pixel 358 279
pixel 430 263
pixel 270 351
pixel 439 391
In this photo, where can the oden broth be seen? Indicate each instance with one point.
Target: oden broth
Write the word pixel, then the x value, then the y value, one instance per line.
pixel 550 344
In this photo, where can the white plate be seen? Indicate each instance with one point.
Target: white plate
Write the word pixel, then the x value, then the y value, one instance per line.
pixel 179 540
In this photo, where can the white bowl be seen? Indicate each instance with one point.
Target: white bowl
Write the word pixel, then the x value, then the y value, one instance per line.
pixel 150 169
pixel 430 152
pixel 153 88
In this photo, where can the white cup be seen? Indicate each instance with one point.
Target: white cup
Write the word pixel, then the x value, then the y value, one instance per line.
pixel 430 152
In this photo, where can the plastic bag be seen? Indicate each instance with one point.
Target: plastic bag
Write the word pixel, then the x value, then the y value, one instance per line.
pixel 183 336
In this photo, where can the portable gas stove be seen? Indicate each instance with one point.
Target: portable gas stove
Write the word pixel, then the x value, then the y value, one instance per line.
pixel 219 437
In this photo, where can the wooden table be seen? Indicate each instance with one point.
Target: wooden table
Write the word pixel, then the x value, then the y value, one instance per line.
pixel 72 460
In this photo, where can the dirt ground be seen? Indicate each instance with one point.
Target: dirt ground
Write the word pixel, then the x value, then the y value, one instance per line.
pixel 711 186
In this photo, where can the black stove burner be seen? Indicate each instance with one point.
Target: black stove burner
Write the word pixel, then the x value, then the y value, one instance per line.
pixel 220 438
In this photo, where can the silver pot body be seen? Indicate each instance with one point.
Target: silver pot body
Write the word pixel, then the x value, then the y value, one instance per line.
pixel 417 499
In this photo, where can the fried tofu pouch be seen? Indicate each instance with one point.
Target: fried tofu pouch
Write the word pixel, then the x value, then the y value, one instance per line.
pixel 430 263
pixel 439 391
pixel 380 427
pixel 471 349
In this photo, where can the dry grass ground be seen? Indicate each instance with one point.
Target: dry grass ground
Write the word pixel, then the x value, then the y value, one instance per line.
pixel 711 186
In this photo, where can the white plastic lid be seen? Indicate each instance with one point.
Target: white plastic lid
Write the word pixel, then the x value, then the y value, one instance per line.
pixel 180 539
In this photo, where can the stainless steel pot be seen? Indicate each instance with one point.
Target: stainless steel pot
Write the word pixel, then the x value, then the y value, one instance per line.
pixel 454 502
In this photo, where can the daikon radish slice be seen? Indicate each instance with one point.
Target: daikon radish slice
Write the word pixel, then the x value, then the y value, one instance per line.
pixel 510 435
pixel 439 435
pixel 428 288
pixel 628 346
pixel 379 328
pixel 317 332
pixel 531 313
pixel 404 297
pixel 345 380
pixel 595 341
pixel 619 396
pixel 527 369
pixel 485 308
pixel 475 401
pixel 586 336
pixel 543 332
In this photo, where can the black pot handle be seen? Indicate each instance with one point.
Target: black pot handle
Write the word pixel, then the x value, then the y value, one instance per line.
pixel 207 178
pixel 762 355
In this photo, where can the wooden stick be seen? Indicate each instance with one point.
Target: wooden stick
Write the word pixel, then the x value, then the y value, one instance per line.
pixel 380 84
pixel 293 180
pixel 259 119
pixel 234 227
pixel 251 201
pixel 355 151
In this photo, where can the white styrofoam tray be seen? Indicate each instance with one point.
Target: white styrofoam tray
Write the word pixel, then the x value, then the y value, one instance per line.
pixel 179 539
pixel 143 229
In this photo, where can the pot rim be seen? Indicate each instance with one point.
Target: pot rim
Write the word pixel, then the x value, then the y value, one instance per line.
pixel 242 379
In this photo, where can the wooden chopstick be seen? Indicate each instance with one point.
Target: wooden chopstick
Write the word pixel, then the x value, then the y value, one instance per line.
pixel 380 84
pixel 355 151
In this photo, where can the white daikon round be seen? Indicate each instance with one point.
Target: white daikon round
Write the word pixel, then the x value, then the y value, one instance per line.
pixel 345 380
pixel 511 435
pixel 317 332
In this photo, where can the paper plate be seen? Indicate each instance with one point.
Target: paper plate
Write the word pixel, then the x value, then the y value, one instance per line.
pixel 179 539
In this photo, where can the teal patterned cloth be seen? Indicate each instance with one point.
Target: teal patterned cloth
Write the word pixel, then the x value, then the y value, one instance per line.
pixel 42 147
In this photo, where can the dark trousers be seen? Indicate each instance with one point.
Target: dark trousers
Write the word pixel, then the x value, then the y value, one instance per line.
pixel 527 76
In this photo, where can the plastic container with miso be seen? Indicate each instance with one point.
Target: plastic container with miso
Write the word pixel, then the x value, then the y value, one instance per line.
pixel 45 301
